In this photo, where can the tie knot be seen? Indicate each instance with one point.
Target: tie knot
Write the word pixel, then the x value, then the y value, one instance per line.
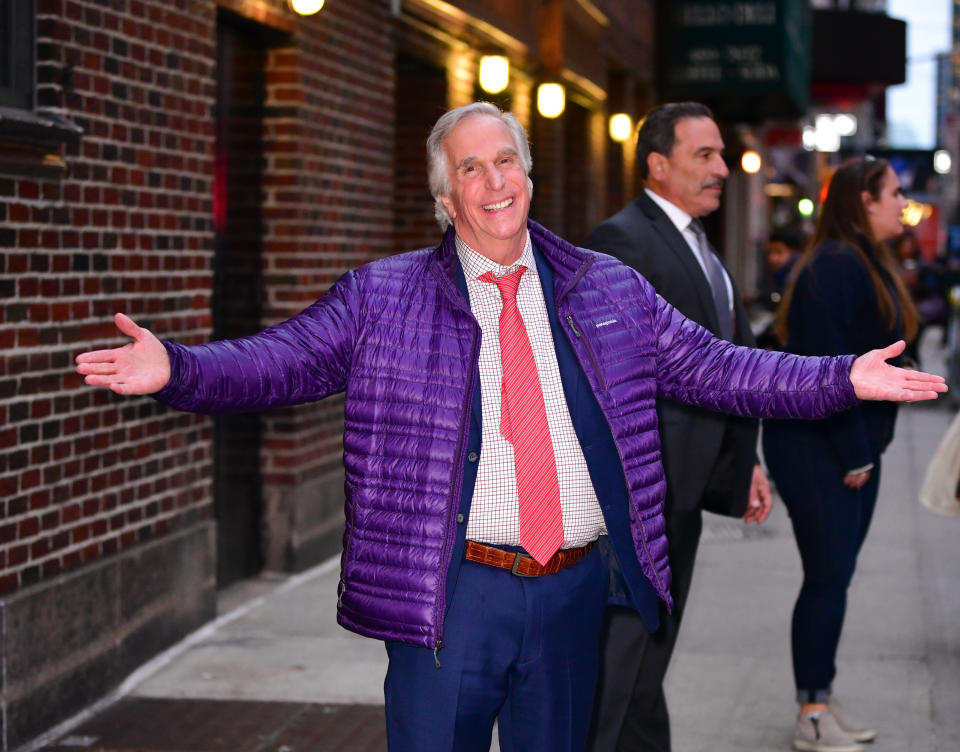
pixel 507 284
pixel 696 228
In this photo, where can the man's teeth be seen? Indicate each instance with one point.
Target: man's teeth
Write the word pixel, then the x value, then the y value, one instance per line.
pixel 502 205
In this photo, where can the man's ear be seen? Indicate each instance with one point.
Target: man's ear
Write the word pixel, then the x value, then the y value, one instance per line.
pixel 448 205
pixel 657 165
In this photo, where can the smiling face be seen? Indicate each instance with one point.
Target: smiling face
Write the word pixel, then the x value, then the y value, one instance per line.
pixel 884 212
pixel 489 192
pixel 691 176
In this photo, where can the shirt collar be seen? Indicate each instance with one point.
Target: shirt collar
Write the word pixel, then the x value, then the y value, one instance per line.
pixel 677 215
pixel 475 264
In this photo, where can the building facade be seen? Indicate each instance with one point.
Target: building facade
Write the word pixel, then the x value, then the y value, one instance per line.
pixel 211 167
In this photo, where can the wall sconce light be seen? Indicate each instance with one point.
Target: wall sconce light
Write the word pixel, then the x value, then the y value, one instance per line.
pixel 551 100
pixel 306 7
pixel 751 162
pixel 620 127
pixel 494 73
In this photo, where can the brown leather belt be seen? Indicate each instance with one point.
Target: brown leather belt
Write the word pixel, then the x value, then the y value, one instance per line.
pixel 521 564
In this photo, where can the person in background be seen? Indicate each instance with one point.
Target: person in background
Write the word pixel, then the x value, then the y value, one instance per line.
pixel 710 459
pixel 846 295
pixel 784 247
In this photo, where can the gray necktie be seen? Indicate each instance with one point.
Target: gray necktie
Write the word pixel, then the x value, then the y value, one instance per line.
pixel 716 279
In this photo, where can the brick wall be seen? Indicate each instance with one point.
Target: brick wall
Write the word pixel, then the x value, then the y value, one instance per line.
pixel 128 227
pixel 328 208
pixel 87 478
pixel 83 473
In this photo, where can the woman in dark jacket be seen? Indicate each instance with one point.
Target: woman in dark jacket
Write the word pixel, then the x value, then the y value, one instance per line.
pixel 845 296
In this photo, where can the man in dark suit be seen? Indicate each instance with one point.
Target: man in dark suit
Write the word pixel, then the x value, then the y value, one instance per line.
pixel 709 458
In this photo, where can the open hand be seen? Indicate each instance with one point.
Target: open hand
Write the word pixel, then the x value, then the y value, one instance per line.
pixel 875 379
pixel 140 367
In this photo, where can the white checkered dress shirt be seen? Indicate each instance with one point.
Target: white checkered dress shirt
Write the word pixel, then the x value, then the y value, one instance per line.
pixel 494 517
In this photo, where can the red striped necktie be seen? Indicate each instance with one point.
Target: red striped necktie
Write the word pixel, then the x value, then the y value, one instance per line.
pixel 523 422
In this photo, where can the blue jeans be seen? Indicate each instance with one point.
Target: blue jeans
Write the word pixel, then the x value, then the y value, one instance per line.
pixel 830 523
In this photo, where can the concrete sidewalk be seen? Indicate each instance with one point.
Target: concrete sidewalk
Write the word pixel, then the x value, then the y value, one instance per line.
pixel 286 678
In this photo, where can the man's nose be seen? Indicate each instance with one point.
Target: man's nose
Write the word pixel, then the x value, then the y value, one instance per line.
pixel 721 167
pixel 495 178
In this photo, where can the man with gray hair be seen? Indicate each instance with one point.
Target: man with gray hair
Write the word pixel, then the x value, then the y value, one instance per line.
pixel 500 442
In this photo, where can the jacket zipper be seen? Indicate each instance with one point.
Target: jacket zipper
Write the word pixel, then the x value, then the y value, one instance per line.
pixel 586 346
pixel 454 504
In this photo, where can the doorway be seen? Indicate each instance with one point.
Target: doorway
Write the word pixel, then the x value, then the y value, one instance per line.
pixel 238 284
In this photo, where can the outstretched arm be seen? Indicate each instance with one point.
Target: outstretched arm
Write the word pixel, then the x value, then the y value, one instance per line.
pixel 875 379
pixel 139 367
pixel 696 368
pixel 302 359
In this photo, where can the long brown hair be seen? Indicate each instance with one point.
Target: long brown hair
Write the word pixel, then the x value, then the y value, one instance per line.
pixel 843 217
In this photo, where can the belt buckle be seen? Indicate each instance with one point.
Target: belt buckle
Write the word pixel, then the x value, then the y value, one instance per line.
pixel 514 571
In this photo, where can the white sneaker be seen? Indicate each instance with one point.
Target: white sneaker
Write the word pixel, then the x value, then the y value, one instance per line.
pixel 820 732
pixel 855 730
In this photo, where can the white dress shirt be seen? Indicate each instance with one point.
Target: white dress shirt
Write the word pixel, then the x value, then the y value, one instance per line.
pixel 494 515
pixel 682 222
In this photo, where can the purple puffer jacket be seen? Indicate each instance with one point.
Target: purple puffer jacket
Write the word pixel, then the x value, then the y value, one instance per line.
pixel 399 338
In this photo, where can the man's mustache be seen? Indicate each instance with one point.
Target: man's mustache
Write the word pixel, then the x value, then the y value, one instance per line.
pixel 712 184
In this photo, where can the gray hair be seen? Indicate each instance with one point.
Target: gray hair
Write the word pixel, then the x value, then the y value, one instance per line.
pixel 438 174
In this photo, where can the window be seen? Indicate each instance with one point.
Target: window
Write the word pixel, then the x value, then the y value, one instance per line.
pixel 16 54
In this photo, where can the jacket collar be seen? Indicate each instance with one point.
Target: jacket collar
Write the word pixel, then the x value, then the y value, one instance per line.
pixel 567 262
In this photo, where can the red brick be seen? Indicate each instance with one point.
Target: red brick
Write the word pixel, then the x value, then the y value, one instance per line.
pixel 9 582
pixel 17 555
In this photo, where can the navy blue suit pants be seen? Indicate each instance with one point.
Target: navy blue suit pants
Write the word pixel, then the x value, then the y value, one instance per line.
pixel 521 651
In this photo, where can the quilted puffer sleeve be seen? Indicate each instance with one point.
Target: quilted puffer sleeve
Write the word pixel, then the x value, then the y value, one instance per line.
pixel 300 360
pixel 695 367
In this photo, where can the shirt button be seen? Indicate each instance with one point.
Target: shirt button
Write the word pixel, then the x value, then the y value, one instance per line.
pixel 473 456
pixel 460 519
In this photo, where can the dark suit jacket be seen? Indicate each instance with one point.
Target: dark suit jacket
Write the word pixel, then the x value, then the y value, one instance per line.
pixel 708 457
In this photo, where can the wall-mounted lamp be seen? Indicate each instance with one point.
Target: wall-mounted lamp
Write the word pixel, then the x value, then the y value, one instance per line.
pixel 551 100
pixel 306 7
pixel 751 162
pixel 494 73
pixel 620 127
